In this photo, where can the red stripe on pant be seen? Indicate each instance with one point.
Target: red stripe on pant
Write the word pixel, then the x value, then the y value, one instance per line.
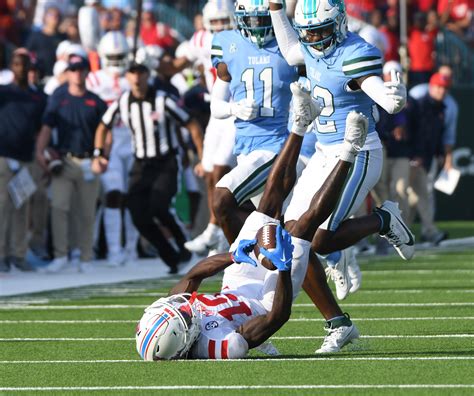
pixel 224 350
pixel 211 349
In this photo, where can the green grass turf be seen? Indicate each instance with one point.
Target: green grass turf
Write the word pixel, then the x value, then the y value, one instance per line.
pixel 442 278
pixel 455 229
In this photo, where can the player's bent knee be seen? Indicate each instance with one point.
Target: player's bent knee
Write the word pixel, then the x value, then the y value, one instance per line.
pixel 114 199
pixel 224 202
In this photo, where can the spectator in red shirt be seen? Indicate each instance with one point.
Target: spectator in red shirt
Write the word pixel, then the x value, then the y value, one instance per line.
pixel 392 34
pixel 455 15
pixel 424 5
pixel 360 9
pixel 421 47
pixel 153 32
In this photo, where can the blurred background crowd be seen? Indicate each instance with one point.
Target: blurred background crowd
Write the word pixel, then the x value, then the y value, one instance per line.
pixel 42 44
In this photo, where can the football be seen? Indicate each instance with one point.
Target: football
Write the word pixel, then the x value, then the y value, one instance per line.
pixel 55 163
pixel 266 238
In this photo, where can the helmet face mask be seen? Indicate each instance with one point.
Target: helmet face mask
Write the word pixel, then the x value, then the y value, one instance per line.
pixel 168 329
pixel 321 25
pixel 218 16
pixel 114 52
pixel 254 22
pixel 217 25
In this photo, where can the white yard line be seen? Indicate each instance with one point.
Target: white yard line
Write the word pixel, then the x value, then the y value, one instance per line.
pixel 447 318
pixel 418 271
pixel 235 387
pixel 272 359
pixel 122 306
pixel 435 304
pixel 287 338
pixel 104 321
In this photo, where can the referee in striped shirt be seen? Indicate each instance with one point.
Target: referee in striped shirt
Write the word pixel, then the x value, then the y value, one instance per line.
pixel 154 118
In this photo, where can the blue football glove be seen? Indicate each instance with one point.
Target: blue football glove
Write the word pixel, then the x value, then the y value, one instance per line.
pixel 241 254
pixel 283 254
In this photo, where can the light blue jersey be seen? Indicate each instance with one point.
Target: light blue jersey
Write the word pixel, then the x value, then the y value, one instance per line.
pixel 330 76
pixel 261 74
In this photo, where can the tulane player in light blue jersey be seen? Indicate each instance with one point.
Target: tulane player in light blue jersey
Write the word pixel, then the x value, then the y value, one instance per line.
pixel 253 84
pixel 345 75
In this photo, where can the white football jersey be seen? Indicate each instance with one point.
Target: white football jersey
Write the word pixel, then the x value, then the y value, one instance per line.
pixel 222 315
pixel 109 88
pixel 200 46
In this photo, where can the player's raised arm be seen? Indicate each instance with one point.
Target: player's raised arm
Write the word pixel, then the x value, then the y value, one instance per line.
pixel 283 174
pixel 391 95
pixel 261 328
pixel 285 34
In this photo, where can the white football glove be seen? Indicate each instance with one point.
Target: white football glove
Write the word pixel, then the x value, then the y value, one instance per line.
pixel 305 109
pixel 397 90
pixel 357 126
pixel 244 109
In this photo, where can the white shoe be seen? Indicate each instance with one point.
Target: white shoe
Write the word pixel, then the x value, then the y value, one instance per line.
pixel 340 275
pixel 204 241
pixel 86 267
pixel 75 257
pixel 338 338
pixel 116 259
pixel 222 246
pixel 354 271
pixel 56 265
pixel 399 235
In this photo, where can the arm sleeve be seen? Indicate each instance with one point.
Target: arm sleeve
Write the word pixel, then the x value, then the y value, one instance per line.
pixel 374 87
pixel 287 38
pixel 109 117
pixel 363 60
pixel 220 105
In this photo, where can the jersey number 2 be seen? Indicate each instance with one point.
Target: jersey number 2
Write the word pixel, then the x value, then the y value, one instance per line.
pixel 266 77
pixel 328 110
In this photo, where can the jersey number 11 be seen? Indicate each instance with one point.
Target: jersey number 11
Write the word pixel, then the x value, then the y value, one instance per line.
pixel 266 77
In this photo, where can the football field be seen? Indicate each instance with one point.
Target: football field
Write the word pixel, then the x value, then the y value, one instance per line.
pixel 416 321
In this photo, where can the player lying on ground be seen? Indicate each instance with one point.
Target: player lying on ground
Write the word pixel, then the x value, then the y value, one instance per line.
pixel 254 302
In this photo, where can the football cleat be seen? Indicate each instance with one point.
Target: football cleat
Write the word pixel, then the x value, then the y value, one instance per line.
pixel 397 233
pixel 208 239
pixel 340 275
pixel 337 338
pixel 222 246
